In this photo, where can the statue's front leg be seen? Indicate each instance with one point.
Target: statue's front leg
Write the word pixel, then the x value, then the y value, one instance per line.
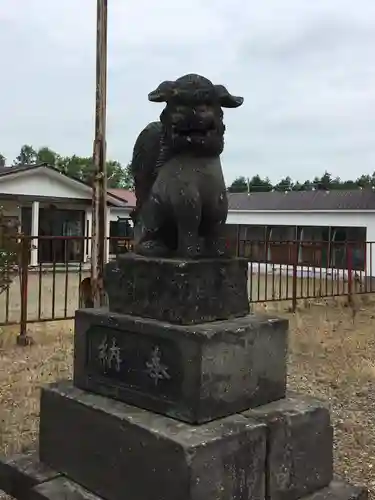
pixel 214 218
pixel 147 236
pixel 187 212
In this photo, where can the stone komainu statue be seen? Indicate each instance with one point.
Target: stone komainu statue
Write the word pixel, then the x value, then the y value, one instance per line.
pixel 179 184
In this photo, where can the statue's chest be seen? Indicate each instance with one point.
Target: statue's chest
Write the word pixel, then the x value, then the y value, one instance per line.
pixel 190 170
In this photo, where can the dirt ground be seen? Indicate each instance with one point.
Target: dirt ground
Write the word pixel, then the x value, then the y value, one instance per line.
pixel 50 295
pixel 331 356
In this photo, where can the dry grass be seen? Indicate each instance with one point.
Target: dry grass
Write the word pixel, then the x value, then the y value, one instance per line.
pixel 23 371
pixel 332 356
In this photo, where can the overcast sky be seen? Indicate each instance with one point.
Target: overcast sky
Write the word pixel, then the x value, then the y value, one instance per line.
pixel 305 68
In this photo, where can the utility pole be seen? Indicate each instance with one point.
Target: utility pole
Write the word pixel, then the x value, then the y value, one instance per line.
pixel 99 201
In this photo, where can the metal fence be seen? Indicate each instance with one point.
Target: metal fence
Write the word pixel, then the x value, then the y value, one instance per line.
pixel 51 290
pixel 295 270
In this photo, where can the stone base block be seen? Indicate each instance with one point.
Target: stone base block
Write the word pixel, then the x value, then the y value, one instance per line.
pixel 339 490
pixel 20 473
pixel 177 291
pixel 194 373
pixel 299 446
pixel 117 451
pixel 61 489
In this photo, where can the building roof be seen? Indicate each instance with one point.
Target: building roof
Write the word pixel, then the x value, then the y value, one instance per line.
pixel 20 168
pixel 125 195
pixel 356 199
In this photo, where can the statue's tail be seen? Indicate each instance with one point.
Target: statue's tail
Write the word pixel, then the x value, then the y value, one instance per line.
pixel 144 163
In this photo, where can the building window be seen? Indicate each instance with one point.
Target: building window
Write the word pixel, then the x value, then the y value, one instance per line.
pixel 348 248
pixel 120 234
pixel 253 243
pixel 283 245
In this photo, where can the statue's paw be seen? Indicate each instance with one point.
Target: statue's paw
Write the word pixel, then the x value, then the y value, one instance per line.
pixel 194 252
pixel 216 248
pixel 152 248
pixel 192 249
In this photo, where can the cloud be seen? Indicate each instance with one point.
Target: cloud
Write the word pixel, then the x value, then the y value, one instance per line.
pixel 304 68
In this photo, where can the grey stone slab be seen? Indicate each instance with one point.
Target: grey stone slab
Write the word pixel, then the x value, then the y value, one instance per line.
pixel 339 490
pixel 61 488
pixel 194 373
pixel 19 473
pixel 299 446
pixel 116 450
pixel 177 291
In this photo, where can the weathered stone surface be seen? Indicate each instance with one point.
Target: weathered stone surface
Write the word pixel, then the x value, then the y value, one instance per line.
pixel 194 373
pixel 299 444
pixel 339 490
pixel 116 451
pixel 61 488
pixel 19 473
pixel 181 196
pixel 177 291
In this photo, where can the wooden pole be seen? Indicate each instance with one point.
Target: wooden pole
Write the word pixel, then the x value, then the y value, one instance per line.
pixel 99 200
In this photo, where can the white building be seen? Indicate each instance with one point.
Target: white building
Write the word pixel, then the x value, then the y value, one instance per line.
pixel 49 203
pixel 329 229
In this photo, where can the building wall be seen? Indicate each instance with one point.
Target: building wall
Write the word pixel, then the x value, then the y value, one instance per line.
pixel 308 218
pixel 313 219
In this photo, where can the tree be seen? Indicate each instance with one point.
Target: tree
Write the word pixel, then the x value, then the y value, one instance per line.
pixel 46 155
pixel 2 160
pixel 76 166
pixel 305 186
pixel 239 185
pixel 285 184
pixel 257 184
pixel 27 156
pixel 118 176
pixel 83 168
pixel 364 181
pixel 323 183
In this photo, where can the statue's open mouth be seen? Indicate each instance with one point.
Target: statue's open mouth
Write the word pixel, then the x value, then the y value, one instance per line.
pixel 194 134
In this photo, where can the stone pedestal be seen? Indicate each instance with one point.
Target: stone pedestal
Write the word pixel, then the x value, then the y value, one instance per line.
pixel 178 392
pixel 195 373
pixel 300 445
pixel 111 448
pixel 178 291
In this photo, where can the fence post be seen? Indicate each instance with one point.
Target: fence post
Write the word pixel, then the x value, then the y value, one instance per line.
pixel 349 266
pixel 238 241
pixel 294 278
pixel 23 339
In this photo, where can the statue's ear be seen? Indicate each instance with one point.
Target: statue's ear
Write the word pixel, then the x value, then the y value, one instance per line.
pixel 226 99
pixel 162 92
